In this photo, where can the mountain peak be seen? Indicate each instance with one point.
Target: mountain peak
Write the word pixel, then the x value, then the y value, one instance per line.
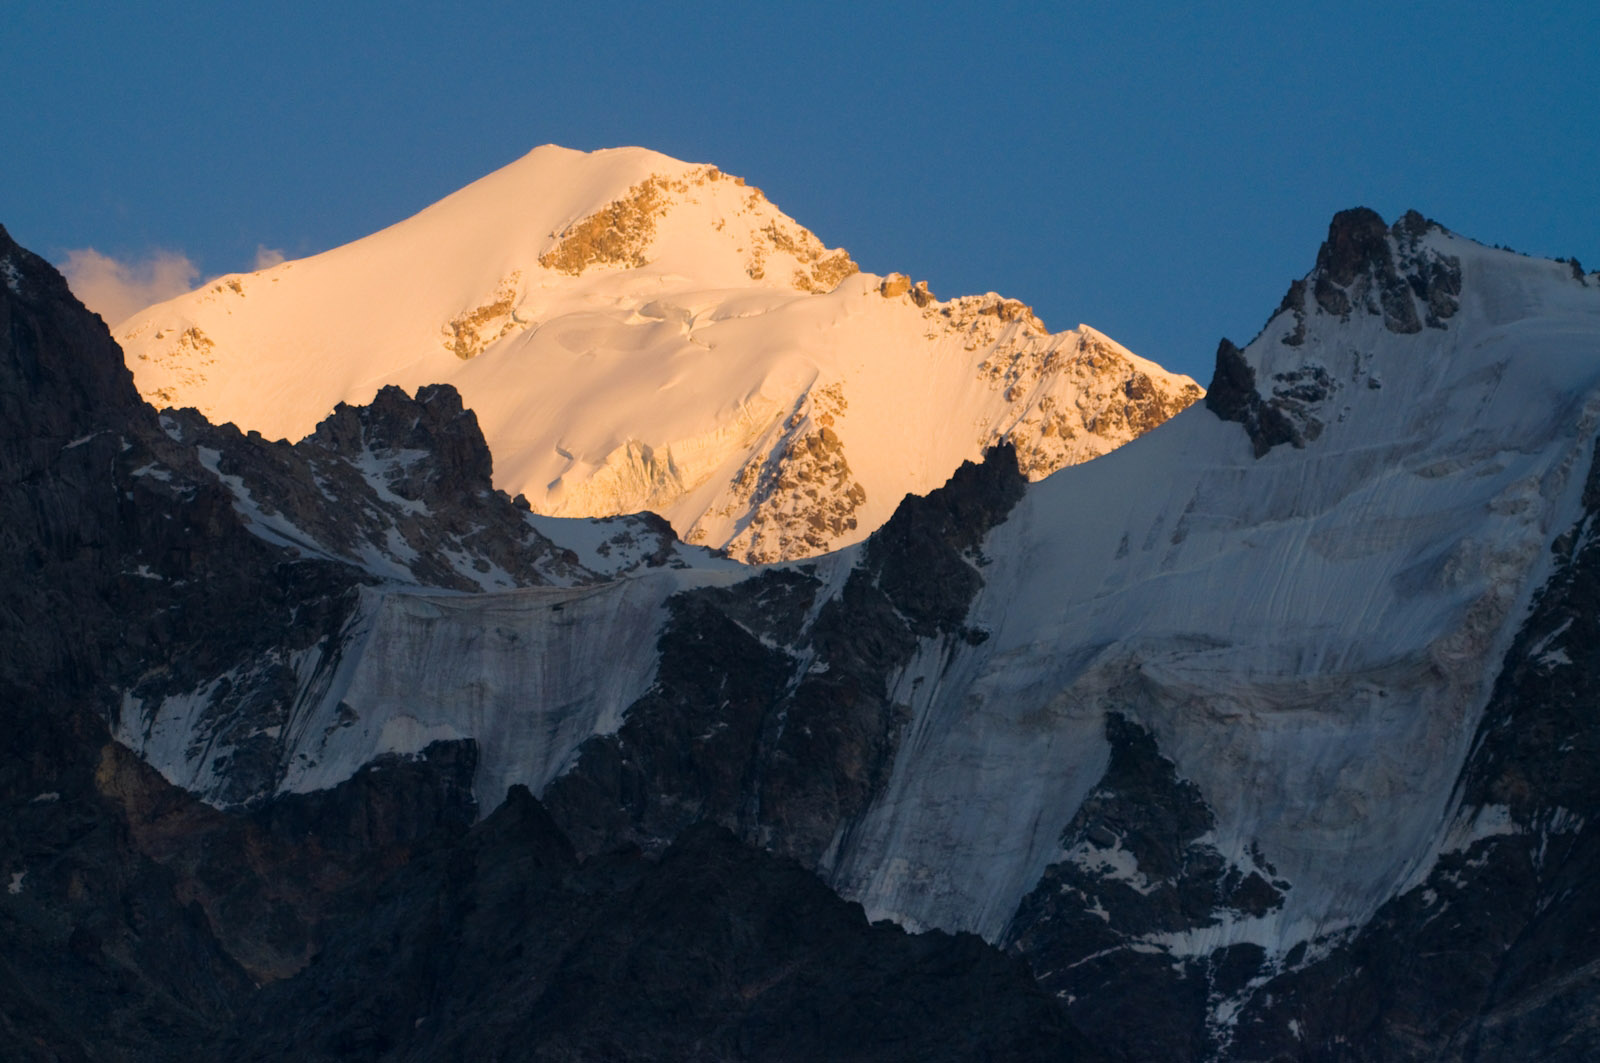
pixel 1366 264
pixel 1375 309
pixel 1357 241
pixel 634 333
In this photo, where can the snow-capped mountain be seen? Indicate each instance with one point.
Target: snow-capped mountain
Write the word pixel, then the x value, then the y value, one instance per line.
pixel 1198 709
pixel 638 333
pixel 1269 735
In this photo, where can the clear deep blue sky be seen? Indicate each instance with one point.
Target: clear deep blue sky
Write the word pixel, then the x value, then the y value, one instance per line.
pixel 1158 171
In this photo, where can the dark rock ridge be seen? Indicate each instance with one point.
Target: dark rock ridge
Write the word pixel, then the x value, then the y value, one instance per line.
pixel 1085 925
pixel 776 725
pixel 400 488
pixel 299 529
pixel 372 920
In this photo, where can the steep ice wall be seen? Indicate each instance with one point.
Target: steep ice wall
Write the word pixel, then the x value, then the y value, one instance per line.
pixel 527 674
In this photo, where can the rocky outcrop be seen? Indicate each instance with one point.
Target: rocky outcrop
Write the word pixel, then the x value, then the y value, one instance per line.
pixel 801 495
pixel 1233 396
pixel 1364 265
pixel 1110 397
pixel 621 232
pixel 399 488
pixel 1387 271
pixel 468 333
pixel 1140 870
pixel 771 714
pixel 618 234
pixel 925 559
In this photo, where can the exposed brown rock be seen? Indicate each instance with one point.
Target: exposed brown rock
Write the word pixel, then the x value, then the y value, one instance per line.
pixel 895 284
pixel 802 495
pixel 616 234
pixel 469 332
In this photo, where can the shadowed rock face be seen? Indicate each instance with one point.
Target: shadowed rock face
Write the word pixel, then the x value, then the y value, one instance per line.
pixel 777 728
pixel 125 566
pixel 1357 244
pixel 108 579
pixel 400 488
pixel 507 946
pixel 1140 865
pixel 434 422
pixel 1233 397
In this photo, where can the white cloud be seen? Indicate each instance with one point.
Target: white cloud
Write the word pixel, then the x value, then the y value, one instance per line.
pixel 117 290
pixel 267 257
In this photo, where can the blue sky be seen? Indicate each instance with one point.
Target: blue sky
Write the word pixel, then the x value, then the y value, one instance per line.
pixel 1158 171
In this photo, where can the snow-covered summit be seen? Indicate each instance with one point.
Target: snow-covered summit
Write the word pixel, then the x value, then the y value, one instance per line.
pixel 635 332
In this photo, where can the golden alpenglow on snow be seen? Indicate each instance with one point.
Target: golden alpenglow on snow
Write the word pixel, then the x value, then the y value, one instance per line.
pixel 636 332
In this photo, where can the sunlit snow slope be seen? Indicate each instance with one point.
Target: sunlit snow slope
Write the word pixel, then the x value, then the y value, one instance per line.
pixel 636 332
